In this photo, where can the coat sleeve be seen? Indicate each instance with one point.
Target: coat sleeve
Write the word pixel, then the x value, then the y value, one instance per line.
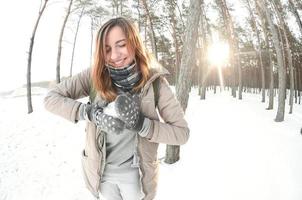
pixel 174 130
pixel 62 99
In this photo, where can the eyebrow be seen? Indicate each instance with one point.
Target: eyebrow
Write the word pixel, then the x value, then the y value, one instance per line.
pixel 122 40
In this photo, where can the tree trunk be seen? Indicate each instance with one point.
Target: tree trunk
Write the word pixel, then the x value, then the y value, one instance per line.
pixel 75 40
pixel 151 26
pixel 271 67
pixel 205 67
pixel 174 37
pixel 234 50
pixel 271 83
pixel 296 84
pixel 259 54
pixel 186 66
pixel 91 41
pixel 296 14
pixel 60 44
pixel 299 84
pixel 262 70
pixel 204 78
pixel 279 10
pixel 280 60
pixel 139 16
pixel 146 21
pixel 299 22
pixel 121 7
pixel 203 64
pixel 30 51
pixel 291 74
pixel 115 7
pixel 299 4
pixel 239 72
pixel 172 154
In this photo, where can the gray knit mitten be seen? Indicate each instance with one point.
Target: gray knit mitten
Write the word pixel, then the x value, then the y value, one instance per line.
pixel 108 123
pixel 128 111
pixel 105 122
pixel 86 110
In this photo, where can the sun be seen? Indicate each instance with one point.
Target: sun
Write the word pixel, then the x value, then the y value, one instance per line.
pixel 218 54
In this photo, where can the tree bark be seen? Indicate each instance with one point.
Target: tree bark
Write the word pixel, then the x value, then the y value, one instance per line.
pixel 91 41
pixel 279 10
pixel 296 83
pixel 186 66
pixel 299 4
pixel 234 49
pixel 173 23
pixel 299 22
pixel 60 43
pixel 151 26
pixel 205 67
pixel 139 16
pixel 30 51
pixel 121 7
pixel 267 44
pixel 203 60
pixel 75 40
pixel 296 14
pixel 259 54
pixel 280 60
pixel 299 85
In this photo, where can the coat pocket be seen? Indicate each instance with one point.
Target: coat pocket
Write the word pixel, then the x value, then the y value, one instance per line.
pixel 90 173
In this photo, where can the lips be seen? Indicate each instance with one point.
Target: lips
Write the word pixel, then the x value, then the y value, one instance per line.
pixel 119 63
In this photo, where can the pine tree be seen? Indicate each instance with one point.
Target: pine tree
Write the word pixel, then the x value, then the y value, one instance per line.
pixel 187 63
pixel 30 51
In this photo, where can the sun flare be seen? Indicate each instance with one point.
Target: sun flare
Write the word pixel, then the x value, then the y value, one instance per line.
pixel 218 54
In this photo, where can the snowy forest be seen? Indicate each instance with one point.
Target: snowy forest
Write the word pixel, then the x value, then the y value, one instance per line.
pixel 235 67
pixel 259 53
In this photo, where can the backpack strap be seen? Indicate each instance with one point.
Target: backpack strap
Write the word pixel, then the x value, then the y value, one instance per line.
pixel 155 84
pixel 92 93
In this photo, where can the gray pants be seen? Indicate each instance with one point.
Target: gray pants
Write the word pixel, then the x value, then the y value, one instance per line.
pixel 120 191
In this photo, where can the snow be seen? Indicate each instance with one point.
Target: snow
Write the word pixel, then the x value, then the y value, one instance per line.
pixel 236 151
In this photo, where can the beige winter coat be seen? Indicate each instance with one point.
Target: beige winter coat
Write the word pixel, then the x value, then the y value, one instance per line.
pixel 61 100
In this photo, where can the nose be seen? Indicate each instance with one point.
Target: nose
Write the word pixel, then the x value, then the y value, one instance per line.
pixel 115 54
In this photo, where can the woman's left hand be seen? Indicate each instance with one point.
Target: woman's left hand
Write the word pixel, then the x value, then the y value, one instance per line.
pixel 128 110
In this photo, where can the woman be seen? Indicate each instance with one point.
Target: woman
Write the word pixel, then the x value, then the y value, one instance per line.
pixel 123 128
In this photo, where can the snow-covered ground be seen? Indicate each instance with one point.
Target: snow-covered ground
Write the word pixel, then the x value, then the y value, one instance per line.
pixel 235 152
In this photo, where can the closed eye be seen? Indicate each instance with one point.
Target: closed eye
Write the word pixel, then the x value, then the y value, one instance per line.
pixel 122 45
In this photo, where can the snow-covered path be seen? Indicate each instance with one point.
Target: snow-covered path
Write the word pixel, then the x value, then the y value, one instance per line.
pixel 40 153
pixel 236 151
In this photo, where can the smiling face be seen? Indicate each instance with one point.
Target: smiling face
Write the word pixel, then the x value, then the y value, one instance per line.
pixel 117 52
pixel 118 44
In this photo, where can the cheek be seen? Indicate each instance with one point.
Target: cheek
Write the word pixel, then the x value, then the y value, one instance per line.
pixel 128 51
pixel 125 52
pixel 130 55
pixel 107 57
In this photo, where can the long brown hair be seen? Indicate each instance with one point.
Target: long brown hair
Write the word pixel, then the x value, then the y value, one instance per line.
pixel 100 76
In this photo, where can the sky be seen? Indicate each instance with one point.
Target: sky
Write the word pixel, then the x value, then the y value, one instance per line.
pixel 17 21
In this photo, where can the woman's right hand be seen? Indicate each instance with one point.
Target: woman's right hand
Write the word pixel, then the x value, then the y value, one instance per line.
pixel 107 123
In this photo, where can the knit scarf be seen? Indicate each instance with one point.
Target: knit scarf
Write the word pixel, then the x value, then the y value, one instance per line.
pixel 126 77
